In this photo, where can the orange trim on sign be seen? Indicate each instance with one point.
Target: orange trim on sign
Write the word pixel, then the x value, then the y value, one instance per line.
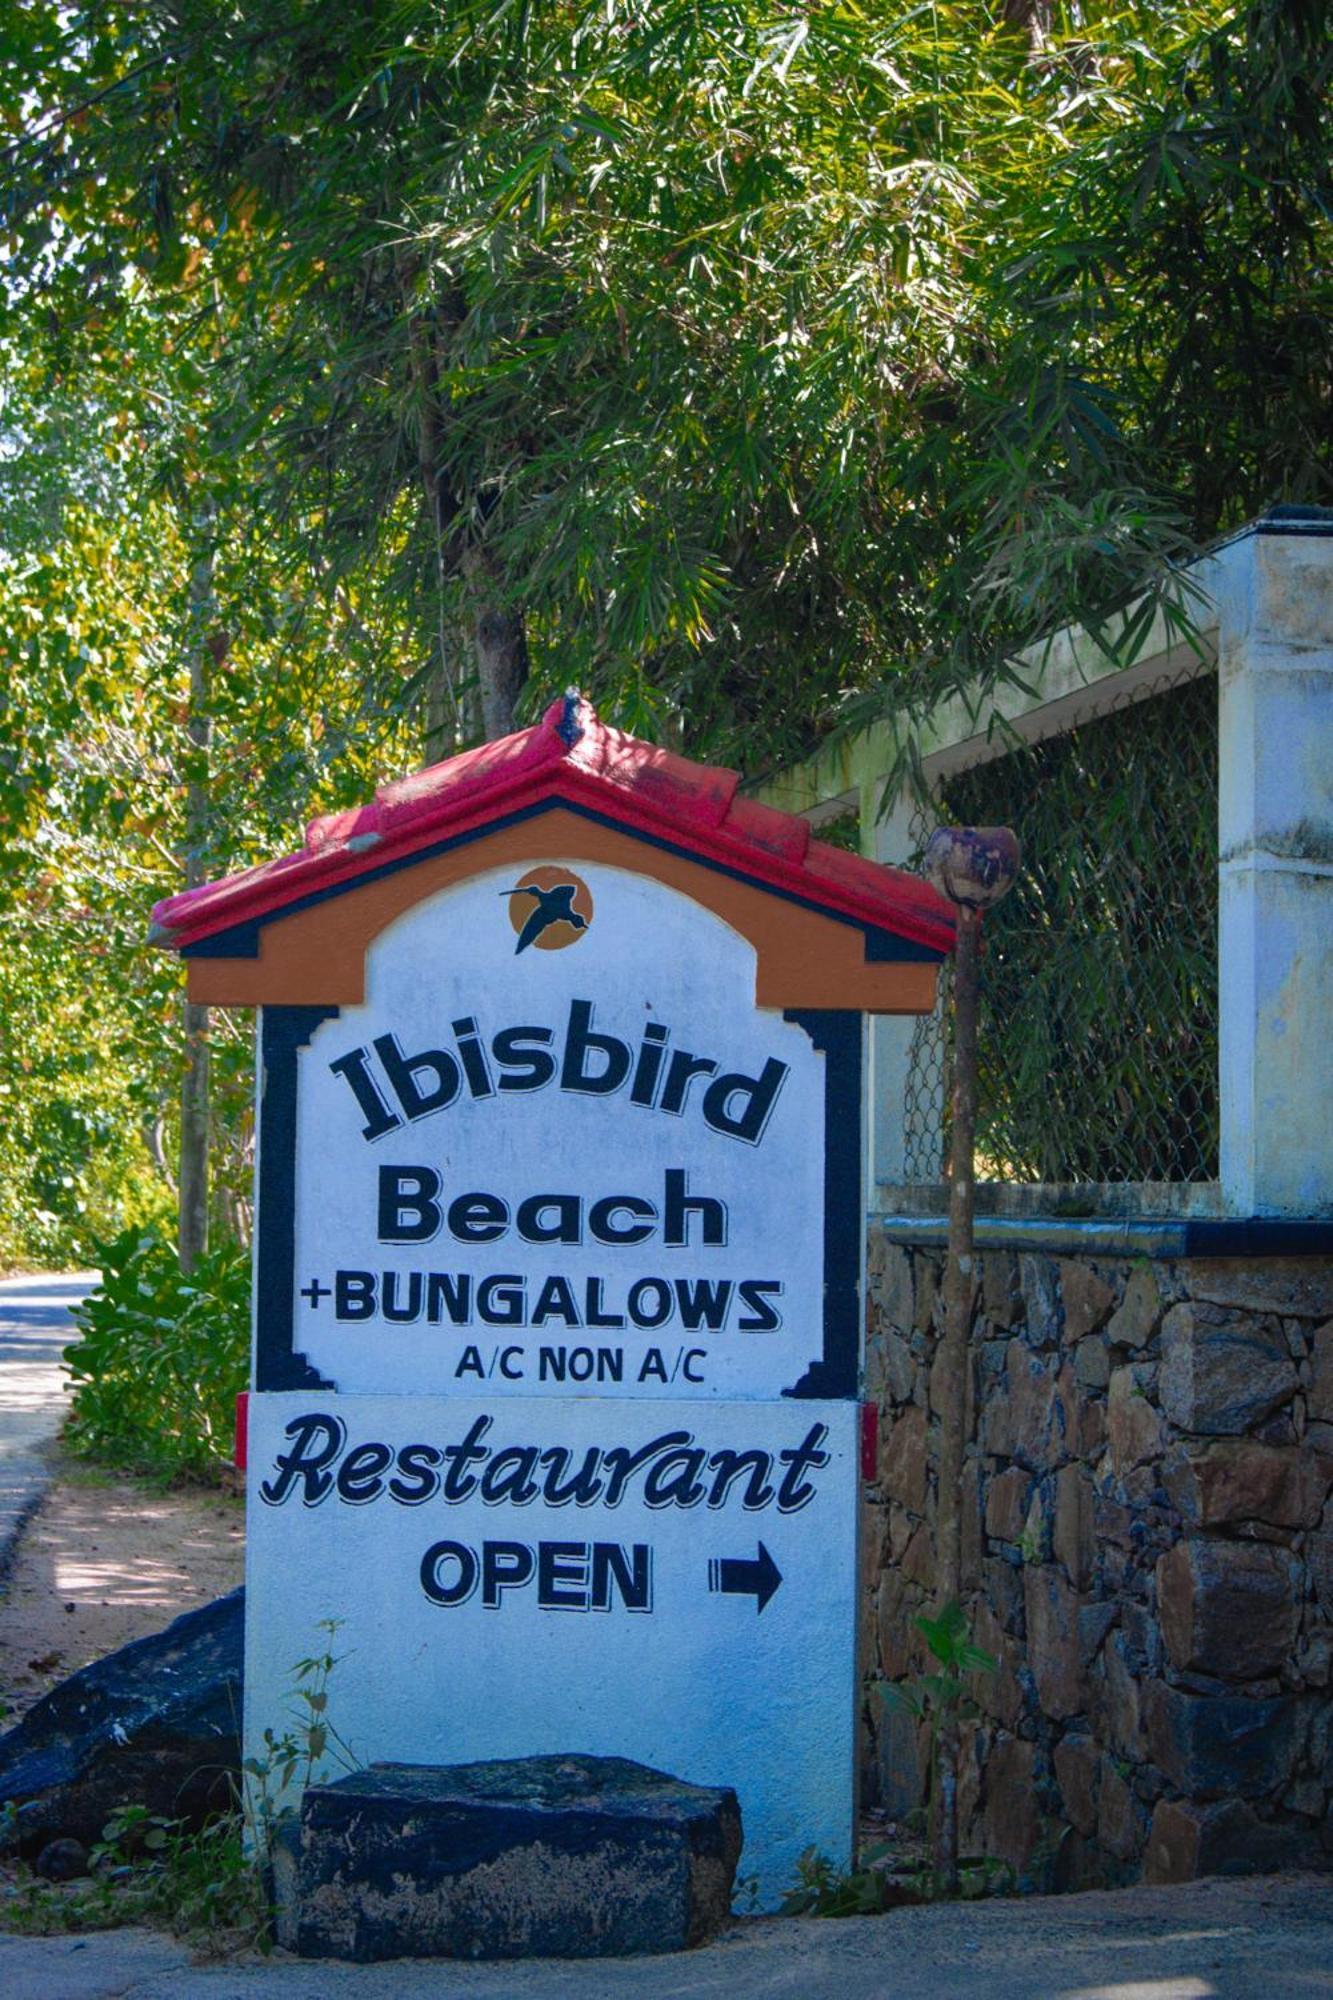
pixel 316 957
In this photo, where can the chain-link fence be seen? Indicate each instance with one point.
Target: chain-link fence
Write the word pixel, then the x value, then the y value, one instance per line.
pixel 1098 1044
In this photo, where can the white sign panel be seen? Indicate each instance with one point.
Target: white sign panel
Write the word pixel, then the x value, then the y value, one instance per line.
pixel 558 1150
pixel 673 1582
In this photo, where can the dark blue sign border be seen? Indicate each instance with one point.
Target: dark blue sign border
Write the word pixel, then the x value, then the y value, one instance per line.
pixel 285 1031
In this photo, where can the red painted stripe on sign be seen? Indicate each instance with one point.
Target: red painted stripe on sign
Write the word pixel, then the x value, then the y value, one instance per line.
pixel 241 1453
pixel 869 1440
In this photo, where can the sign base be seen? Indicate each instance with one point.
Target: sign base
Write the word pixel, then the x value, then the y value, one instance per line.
pixel 673 1583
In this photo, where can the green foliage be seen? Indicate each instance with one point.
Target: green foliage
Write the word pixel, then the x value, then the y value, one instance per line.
pixel 303 1753
pixel 934 1698
pixel 777 372
pixel 161 1359
pixel 199 1882
pixel 770 367
pixel 821 1890
pixel 929 1696
pixel 886 1878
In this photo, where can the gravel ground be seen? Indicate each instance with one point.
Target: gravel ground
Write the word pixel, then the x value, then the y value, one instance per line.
pixel 101 1561
pixel 1269 1939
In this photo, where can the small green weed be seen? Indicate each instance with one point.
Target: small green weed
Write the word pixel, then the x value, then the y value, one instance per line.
pixel 296 1757
pixel 825 1891
pixel 885 1880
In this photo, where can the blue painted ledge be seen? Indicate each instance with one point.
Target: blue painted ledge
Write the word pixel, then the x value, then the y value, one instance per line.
pixel 1122 1236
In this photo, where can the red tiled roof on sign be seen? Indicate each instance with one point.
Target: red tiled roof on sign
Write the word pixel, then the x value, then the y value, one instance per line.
pixel 570 757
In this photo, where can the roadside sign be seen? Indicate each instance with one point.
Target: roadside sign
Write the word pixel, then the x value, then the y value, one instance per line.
pixel 558 1251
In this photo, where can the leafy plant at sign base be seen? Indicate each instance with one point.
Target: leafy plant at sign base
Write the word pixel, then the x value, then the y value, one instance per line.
pixel 207 1883
pixel 161 1358
pixel 825 1891
pixel 930 1698
pixel 200 1882
pixel 883 1882
pixel 293 1760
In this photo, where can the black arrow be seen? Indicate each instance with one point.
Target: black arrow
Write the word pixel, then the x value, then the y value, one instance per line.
pixel 738 1576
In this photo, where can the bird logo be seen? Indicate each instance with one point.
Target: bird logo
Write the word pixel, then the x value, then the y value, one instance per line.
pixel 550 907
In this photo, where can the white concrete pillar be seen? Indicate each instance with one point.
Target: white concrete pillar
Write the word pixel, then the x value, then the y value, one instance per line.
pixel 889 840
pixel 1275 869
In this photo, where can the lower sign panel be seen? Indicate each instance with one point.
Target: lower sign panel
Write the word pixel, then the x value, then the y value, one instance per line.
pixel 670 1582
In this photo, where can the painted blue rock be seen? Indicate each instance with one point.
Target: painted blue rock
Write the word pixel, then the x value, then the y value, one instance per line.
pixel 563 1857
pixel 155 1724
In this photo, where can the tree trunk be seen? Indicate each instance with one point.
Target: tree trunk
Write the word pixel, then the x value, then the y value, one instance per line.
pixel 959 1297
pixel 192 1239
pixel 502 658
pixel 499 639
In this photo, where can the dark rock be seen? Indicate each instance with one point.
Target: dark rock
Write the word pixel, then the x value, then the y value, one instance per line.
pixel 1012 1822
pixel 1042 1409
pixel 902 1467
pixel 1054 1653
pixel 1035 1540
pixel 874 1544
pixel 1306 1797
pixel 1319 1396
pixel 1004 1592
pixel 997 1692
pixel 1212 1744
pixel 896 1605
pixel 1222 1372
pixel 1092 1362
pixel 1007 1504
pixel 918 1558
pixel 156 1723
pixel 1120 1709
pixel 1134 1427
pixel 1072 1534
pixel 902 1769
pixel 1134 1321
pixel 899 1368
pixel 550 1857
pixel 1314 1659
pixel 1299 1286
pixel 62 1861
pixel 970 1523
pixel 1001 1299
pixel 1242 1480
pixel 1121 1820
pixel 1041 1300
pixel 1087 1299
pixel 1078 1774
pixel 973 1750
pixel 1094 1622
pixel 1091 1437
pixel 1188 1840
pixel 1319 1555
pixel 1228 1608
pixel 926 1277
pixel 889 1269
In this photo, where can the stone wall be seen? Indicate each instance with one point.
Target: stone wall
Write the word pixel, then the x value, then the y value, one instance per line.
pixel 1148 1554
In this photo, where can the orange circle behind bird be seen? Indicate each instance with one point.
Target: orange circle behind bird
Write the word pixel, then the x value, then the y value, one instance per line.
pixel 549 907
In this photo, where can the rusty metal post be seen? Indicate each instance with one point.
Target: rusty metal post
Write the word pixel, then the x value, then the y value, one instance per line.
pixel 974 867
